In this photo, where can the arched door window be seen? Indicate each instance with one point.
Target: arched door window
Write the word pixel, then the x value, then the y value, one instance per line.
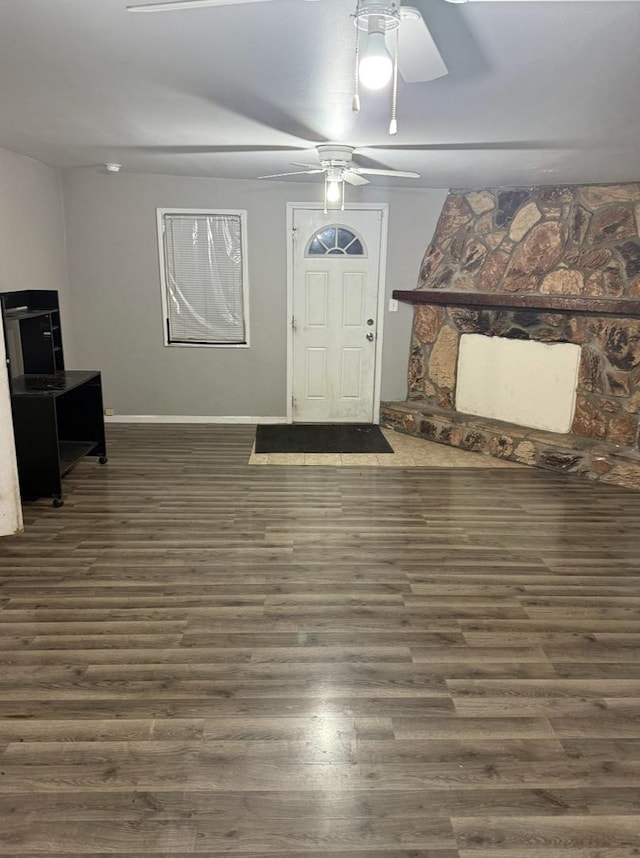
pixel 335 241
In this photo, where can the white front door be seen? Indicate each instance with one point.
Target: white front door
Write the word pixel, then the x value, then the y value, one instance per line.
pixel 336 273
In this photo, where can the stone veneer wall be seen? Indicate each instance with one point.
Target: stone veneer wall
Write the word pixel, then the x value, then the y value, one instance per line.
pixel 581 241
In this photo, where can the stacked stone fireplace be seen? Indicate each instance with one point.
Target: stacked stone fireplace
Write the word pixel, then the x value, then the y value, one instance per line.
pixel 549 265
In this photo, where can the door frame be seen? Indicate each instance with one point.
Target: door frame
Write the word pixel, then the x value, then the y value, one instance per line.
pixel 383 209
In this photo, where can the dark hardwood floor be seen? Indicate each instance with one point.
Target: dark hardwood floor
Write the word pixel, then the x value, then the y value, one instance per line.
pixel 201 657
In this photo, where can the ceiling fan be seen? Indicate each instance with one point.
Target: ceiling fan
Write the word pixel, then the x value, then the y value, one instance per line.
pixel 391 30
pixel 337 165
pixel 167 5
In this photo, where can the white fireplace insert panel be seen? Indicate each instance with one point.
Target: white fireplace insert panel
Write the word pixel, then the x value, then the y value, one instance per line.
pixel 524 382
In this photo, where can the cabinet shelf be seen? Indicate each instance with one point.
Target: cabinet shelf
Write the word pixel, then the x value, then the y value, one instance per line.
pixel 21 314
pixel 71 452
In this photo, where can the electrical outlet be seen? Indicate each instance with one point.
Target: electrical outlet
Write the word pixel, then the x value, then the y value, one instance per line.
pixel 393 305
pixel 109 412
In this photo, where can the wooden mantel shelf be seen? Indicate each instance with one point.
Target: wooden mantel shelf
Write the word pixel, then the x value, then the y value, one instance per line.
pixel 621 307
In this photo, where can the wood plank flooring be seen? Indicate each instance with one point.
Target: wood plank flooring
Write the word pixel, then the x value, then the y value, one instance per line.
pixel 198 657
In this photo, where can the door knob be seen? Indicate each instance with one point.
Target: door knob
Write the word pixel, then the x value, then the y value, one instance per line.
pixel 370 337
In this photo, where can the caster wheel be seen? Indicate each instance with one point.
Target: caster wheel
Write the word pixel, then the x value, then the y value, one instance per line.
pixel 58 502
pixel 103 460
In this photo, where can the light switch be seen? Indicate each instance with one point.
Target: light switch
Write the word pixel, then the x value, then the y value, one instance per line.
pixel 393 305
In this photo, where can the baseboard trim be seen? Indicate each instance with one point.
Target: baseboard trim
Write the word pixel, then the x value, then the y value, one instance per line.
pixel 179 418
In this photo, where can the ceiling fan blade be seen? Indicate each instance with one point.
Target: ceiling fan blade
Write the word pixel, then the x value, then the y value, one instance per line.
pixel 418 56
pixel 308 166
pixel 172 5
pixel 209 150
pixel 399 174
pixel 295 173
pixel 354 178
pixel 522 1
pixel 482 146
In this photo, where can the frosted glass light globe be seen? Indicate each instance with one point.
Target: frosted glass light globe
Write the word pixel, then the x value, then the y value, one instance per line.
pixel 376 66
pixel 333 192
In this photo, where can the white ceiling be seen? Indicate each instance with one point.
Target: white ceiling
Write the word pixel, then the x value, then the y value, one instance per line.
pixel 538 92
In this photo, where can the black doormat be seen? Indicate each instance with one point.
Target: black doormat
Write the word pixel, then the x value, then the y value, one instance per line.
pixel 321 438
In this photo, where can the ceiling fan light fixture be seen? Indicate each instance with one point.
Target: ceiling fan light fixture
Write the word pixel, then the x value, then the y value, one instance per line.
pixel 333 191
pixel 376 66
pixel 333 188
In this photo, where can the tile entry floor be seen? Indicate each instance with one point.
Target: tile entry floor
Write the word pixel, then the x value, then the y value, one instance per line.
pixel 408 452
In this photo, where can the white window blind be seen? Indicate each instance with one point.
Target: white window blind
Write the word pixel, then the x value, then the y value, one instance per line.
pixel 204 277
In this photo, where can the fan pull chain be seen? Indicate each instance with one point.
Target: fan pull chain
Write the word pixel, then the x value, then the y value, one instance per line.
pixel 355 103
pixel 393 125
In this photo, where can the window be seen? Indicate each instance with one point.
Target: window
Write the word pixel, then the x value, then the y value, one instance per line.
pixel 203 277
pixel 335 241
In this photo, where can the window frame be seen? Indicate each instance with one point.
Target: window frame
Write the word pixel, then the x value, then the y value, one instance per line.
pixel 242 214
pixel 337 226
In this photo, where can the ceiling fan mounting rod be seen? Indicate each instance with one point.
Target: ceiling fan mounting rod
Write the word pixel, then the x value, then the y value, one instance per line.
pixel 382 15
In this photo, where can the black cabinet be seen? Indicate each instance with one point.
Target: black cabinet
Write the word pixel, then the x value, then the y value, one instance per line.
pixel 55 427
pixel 33 333
pixel 57 414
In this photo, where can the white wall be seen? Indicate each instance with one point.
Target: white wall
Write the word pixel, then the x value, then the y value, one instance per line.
pixel 32 256
pixel 32 239
pixel 413 215
pixel 116 309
